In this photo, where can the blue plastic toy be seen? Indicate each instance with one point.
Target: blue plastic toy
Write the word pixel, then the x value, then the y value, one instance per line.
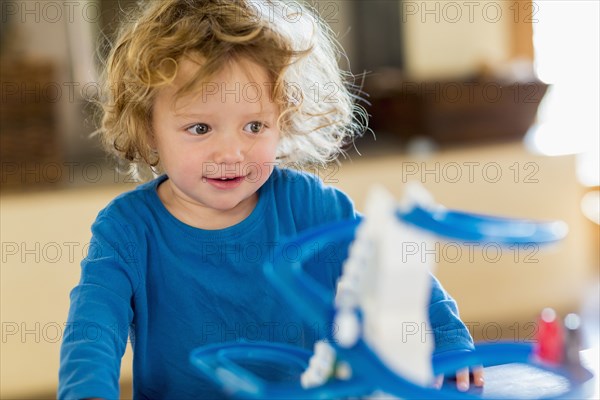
pixel 237 367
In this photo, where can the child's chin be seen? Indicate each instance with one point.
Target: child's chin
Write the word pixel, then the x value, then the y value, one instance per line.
pixel 232 204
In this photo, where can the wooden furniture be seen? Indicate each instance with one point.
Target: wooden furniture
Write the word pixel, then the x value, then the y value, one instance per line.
pixel 471 110
pixel 30 142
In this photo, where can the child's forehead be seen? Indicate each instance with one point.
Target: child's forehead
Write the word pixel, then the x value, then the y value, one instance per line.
pixel 239 70
pixel 239 81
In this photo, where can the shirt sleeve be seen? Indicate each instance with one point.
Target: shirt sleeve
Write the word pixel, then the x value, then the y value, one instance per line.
pixel 449 331
pixel 100 314
pixel 320 203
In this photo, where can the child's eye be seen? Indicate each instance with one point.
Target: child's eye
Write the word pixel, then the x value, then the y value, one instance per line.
pixel 254 127
pixel 198 129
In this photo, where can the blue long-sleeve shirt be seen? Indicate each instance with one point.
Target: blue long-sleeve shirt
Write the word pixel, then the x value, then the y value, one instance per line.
pixel 171 287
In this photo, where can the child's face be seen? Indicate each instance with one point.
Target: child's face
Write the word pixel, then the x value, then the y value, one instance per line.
pixel 229 131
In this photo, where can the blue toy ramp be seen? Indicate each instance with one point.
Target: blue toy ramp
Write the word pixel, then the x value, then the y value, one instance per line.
pixel 272 371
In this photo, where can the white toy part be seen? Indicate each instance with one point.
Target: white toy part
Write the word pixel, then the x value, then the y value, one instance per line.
pixel 416 194
pixel 320 367
pixel 391 287
pixel 397 288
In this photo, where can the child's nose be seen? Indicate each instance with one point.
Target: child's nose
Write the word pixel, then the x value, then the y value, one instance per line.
pixel 228 150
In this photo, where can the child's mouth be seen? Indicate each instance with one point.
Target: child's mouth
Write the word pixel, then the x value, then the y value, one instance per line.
pixel 226 182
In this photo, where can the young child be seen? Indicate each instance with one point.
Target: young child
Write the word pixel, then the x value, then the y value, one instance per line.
pixel 213 98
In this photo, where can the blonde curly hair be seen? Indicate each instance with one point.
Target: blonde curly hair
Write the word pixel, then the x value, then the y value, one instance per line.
pixel 316 99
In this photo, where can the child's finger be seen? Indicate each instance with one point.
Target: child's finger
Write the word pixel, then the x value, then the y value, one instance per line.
pixel 478 376
pixel 462 379
pixel 439 381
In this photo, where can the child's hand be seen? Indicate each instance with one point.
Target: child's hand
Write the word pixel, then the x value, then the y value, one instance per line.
pixel 462 379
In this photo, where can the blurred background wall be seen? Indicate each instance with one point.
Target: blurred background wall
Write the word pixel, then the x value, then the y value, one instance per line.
pixel 492 105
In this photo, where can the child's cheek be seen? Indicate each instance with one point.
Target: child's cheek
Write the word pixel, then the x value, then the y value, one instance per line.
pixel 259 171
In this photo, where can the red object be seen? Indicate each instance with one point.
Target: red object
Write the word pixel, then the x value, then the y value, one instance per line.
pixel 550 338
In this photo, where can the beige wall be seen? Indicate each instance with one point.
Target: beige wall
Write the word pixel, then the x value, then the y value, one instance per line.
pixel 445 39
